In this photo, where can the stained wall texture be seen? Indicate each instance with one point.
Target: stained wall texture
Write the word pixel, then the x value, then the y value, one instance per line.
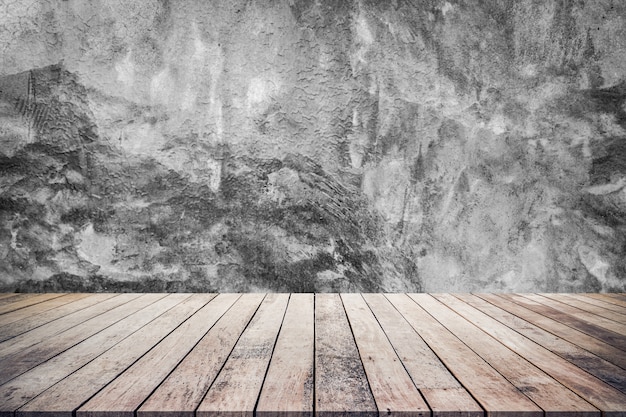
pixel 313 145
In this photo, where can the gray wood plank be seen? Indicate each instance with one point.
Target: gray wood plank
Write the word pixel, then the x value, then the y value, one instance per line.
pixel 603 396
pixel 28 385
pixel 128 391
pixel 236 388
pixel 66 396
pixel 391 385
pixel 26 324
pixel 40 308
pixel 20 362
pixel 341 387
pixel 288 386
pixel 181 392
pixel 605 370
pixel 444 394
pixel 492 391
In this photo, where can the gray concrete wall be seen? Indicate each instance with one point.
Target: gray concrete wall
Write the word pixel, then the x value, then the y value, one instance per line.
pixel 291 145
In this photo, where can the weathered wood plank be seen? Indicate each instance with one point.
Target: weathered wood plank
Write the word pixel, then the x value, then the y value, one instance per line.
pixel 443 393
pixel 28 385
pixel 236 389
pixel 181 392
pixel 341 387
pixel 609 298
pixel 32 337
pixel 27 301
pixel 392 387
pixel 13 297
pixel 606 371
pixel 599 302
pixel 572 300
pixel 63 398
pixel 492 391
pixel 127 392
pixel 603 396
pixel 29 323
pixel 20 362
pixel 569 318
pixel 40 308
pixel 543 390
pixel 288 386
pixel 7 295
pixel 585 341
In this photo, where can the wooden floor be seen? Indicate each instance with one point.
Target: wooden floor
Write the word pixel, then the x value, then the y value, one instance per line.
pixel 298 354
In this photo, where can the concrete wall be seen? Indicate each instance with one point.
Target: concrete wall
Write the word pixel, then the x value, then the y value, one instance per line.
pixel 328 145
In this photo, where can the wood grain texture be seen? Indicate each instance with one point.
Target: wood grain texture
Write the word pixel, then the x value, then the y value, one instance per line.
pixel 127 392
pixel 288 386
pixel 69 394
pixel 610 298
pixel 494 393
pixel 237 387
pixel 39 308
pixel 593 390
pixel 341 387
pixel 600 302
pixel 605 370
pixel 29 300
pixel 582 304
pixel 181 393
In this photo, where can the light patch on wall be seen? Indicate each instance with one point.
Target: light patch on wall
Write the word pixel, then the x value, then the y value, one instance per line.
pixel 261 89
pixel 126 70
pixel 94 247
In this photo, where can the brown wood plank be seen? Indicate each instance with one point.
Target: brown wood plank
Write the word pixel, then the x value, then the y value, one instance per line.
pixel 127 392
pixel 237 387
pixel 27 301
pixel 603 396
pixel 569 319
pixel 543 390
pixel 600 302
pixel 580 303
pixel 606 371
pixel 63 398
pixel 341 387
pixel 444 394
pixel 29 323
pixel 40 308
pixel 288 386
pixel 492 391
pixel 609 298
pixel 585 341
pixel 7 295
pixel 13 297
pixel 181 392
pixel 391 385
pixel 19 362
pixel 17 392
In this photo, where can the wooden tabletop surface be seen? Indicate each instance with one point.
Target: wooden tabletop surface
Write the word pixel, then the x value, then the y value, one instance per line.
pixel 295 355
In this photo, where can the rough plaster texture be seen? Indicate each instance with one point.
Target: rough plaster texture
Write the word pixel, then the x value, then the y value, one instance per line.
pixel 292 145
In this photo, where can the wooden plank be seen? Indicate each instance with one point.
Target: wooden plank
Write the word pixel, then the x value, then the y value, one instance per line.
pixel 7 295
pixel 341 387
pixel 543 390
pixel 589 343
pixel 28 339
pixel 609 298
pixel 13 297
pixel 573 301
pixel 29 323
pixel 391 385
pixel 181 392
pixel 127 392
pixel 19 362
pixel 43 307
pixel 288 387
pixel 237 387
pixel 608 399
pixel 17 392
pixel 27 301
pixel 69 394
pixel 443 393
pixel 569 318
pixel 606 371
pixel 599 302
pixel 491 390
